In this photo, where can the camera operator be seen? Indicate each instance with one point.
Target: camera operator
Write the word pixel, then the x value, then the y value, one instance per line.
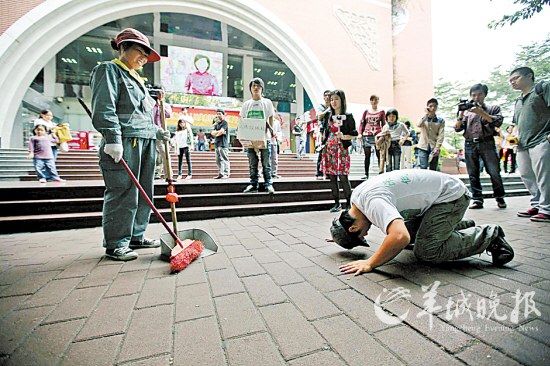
pixel 478 121
pixel 157 93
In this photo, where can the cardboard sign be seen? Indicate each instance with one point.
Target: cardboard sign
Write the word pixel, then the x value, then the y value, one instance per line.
pixel 251 131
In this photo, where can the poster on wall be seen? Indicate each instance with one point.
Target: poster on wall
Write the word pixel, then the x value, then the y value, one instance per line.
pixel 191 71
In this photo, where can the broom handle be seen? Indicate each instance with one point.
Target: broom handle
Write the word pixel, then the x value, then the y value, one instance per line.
pixel 150 203
pixel 168 165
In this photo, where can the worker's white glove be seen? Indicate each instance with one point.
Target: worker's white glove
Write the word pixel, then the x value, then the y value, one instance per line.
pixel 163 135
pixel 114 151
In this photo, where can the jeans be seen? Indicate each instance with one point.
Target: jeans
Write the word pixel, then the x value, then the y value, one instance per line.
pixel 222 160
pixel 274 157
pixel 45 169
pixel 487 152
pixel 394 157
pixel 424 156
pixel 253 164
pixel 437 240
pixel 201 145
pixel 534 169
pixel 300 146
pixel 184 150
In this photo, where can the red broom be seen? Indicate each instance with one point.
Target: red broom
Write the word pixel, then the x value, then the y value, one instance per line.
pixel 185 252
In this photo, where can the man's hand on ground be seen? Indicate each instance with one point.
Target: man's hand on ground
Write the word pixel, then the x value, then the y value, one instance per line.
pixel 356 267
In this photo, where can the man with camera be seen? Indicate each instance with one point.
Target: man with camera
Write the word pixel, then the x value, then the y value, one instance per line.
pixel 432 130
pixel 220 132
pixel 157 93
pixel 322 123
pixel 532 116
pixel 478 121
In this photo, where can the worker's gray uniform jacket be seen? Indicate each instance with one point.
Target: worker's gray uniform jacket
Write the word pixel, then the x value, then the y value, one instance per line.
pixel 122 106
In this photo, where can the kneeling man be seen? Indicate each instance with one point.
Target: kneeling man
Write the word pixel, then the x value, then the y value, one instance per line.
pixel 421 206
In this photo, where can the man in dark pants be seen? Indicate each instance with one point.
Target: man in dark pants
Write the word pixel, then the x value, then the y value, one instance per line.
pixel 322 114
pixel 478 124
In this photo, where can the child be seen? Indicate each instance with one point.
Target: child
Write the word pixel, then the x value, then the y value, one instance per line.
pixel 399 133
pixel 40 150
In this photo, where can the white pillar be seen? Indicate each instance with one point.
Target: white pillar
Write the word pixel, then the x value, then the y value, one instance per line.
pixel 248 74
pixel 49 78
pixel 299 98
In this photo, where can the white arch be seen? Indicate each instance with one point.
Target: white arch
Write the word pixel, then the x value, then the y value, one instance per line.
pixel 29 43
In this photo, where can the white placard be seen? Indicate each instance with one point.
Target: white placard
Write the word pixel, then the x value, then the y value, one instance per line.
pixel 251 129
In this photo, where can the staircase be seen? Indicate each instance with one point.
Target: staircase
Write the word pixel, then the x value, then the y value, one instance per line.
pixel 14 164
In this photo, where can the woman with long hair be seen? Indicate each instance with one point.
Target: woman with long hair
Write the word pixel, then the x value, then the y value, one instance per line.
pixel 184 144
pixel 337 140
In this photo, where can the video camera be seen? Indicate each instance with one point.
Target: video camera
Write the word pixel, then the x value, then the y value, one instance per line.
pixel 466 104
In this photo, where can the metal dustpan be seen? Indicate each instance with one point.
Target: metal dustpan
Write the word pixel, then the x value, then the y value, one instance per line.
pixel 167 242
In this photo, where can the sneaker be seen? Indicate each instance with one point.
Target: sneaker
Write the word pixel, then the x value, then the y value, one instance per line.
pixel 189 176
pixel 335 208
pixel 319 177
pixel 476 205
pixel 269 189
pixel 145 243
pixel 251 189
pixel 225 177
pixel 541 217
pixel 219 176
pixel 501 252
pixel 464 224
pixel 528 213
pixel 121 254
pixel 59 180
pixel 500 202
pixel 42 180
pixel 179 177
pixel 365 177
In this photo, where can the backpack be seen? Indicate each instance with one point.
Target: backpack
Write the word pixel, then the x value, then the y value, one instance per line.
pixel 539 91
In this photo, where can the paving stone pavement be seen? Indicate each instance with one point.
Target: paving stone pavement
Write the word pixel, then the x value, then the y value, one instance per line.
pixel 273 295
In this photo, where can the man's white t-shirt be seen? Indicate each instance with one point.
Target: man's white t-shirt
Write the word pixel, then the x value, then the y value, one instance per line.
pixel 404 194
pixel 259 109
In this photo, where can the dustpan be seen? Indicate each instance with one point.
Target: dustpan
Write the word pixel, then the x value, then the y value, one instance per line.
pixel 167 242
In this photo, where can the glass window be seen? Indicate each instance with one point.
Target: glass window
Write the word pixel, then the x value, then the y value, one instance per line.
pixel 38 82
pixel 142 22
pixel 75 62
pixel 239 39
pixel 280 82
pixel 235 76
pixel 191 26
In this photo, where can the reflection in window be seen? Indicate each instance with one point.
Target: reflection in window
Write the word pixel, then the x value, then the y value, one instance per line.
pixel 280 82
pixel 191 26
pixel 142 22
pixel 239 39
pixel 235 76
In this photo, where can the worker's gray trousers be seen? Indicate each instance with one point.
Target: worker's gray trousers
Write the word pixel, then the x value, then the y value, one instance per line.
pixel 125 213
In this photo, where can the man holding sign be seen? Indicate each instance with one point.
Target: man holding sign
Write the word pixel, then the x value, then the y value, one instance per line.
pixel 254 132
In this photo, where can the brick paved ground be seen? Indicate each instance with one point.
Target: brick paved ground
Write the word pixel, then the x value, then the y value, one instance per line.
pixel 271 296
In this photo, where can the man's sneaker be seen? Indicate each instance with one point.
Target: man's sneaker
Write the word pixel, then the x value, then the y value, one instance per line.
pixel 319 177
pixel 365 177
pixel 476 205
pixel 528 213
pixel 250 189
pixel 500 202
pixel 335 208
pixel 541 217
pixel 269 189
pixel 225 177
pixel 501 252
pixel 464 224
pixel 145 243
pixel 121 254
pixel 219 176
pixel 42 180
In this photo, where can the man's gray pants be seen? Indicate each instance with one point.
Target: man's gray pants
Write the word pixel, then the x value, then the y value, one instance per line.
pixel 437 239
pixel 274 158
pixel 222 160
pixel 125 212
pixel 534 168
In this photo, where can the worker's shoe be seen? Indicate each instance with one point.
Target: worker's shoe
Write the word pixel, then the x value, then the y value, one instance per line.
pixel 144 243
pixel 500 202
pixel 121 254
pixel 501 252
pixel 269 189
